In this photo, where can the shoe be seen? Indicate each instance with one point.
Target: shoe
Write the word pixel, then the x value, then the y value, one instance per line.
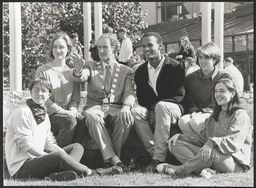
pixel 109 171
pixel 152 166
pixel 208 173
pixel 63 176
pixel 107 165
pixel 124 167
pixel 165 168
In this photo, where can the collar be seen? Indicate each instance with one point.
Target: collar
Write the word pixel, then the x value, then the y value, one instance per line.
pixel 215 72
pixel 112 64
pixel 159 65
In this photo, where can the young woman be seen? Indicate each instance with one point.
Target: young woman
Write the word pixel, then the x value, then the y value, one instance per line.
pixel 199 85
pixel 30 148
pixel 186 50
pixel 224 145
pixel 65 97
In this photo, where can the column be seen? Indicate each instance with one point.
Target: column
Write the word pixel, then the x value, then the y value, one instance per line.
pixel 87 30
pixel 206 21
pixel 15 47
pixel 219 29
pixel 98 19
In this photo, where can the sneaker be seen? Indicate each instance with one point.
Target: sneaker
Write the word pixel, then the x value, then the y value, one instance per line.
pixel 109 171
pixel 124 167
pixel 208 173
pixel 63 176
pixel 166 168
pixel 152 166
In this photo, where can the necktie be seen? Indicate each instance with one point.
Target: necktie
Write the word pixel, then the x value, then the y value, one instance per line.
pixel 107 83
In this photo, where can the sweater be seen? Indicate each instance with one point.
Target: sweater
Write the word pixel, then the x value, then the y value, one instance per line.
pixel 232 135
pixel 65 89
pixel 22 134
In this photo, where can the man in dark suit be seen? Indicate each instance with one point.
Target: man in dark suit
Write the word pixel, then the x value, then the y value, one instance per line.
pixel 160 92
pixel 109 100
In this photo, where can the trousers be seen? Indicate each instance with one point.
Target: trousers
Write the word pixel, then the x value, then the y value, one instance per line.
pixel 190 157
pixel 166 114
pixel 63 127
pixel 107 131
pixel 41 167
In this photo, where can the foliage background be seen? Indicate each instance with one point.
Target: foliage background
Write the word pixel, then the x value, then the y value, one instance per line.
pixel 42 20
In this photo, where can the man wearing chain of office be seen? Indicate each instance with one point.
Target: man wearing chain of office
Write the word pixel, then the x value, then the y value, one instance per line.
pixel 109 100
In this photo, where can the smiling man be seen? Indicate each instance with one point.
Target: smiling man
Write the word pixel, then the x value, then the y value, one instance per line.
pixel 160 91
pixel 109 100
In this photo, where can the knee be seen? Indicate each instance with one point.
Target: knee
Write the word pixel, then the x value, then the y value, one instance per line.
pixel 175 148
pixel 184 121
pixel 138 113
pixel 78 146
pixel 160 106
pixel 70 121
pixel 93 120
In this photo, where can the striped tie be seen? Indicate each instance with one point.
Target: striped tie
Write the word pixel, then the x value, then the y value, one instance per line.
pixel 107 83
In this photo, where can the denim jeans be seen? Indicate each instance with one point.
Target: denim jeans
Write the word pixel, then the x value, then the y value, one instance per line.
pixel 58 161
pixel 63 127
pixel 190 156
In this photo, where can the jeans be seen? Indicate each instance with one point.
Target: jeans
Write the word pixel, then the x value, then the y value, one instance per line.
pixel 190 156
pixel 63 127
pixel 58 161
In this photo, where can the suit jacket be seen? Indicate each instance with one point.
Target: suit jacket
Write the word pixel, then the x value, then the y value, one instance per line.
pixel 169 84
pixel 121 78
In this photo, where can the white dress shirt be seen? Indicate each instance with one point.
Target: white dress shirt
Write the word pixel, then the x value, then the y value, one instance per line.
pixel 153 74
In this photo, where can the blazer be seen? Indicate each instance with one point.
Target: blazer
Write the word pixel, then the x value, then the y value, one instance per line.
pixel 122 79
pixel 169 84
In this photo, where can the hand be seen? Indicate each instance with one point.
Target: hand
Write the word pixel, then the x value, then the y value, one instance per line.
pixel 172 141
pixel 125 116
pixel 193 114
pixel 205 152
pixel 72 113
pixel 151 118
pixel 77 61
pixel 179 57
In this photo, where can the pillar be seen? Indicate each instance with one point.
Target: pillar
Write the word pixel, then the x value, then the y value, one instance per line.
pixel 87 29
pixel 15 47
pixel 206 21
pixel 98 19
pixel 219 29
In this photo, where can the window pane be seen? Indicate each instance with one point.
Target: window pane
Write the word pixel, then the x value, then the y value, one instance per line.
pixel 228 44
pixel 173 48
pixel 240 43
pixel 250 42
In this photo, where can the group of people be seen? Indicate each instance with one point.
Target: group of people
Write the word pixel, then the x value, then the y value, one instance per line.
pixel 213 131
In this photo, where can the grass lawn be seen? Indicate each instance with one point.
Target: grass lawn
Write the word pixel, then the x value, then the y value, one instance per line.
pixel 137 178
pixel 148 179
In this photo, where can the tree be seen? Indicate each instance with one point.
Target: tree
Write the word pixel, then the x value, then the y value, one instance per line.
pixel 42 20
pixel 114 14
pixel 36 29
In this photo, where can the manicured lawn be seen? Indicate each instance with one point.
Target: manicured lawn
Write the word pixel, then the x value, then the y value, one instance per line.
pixel 137 178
